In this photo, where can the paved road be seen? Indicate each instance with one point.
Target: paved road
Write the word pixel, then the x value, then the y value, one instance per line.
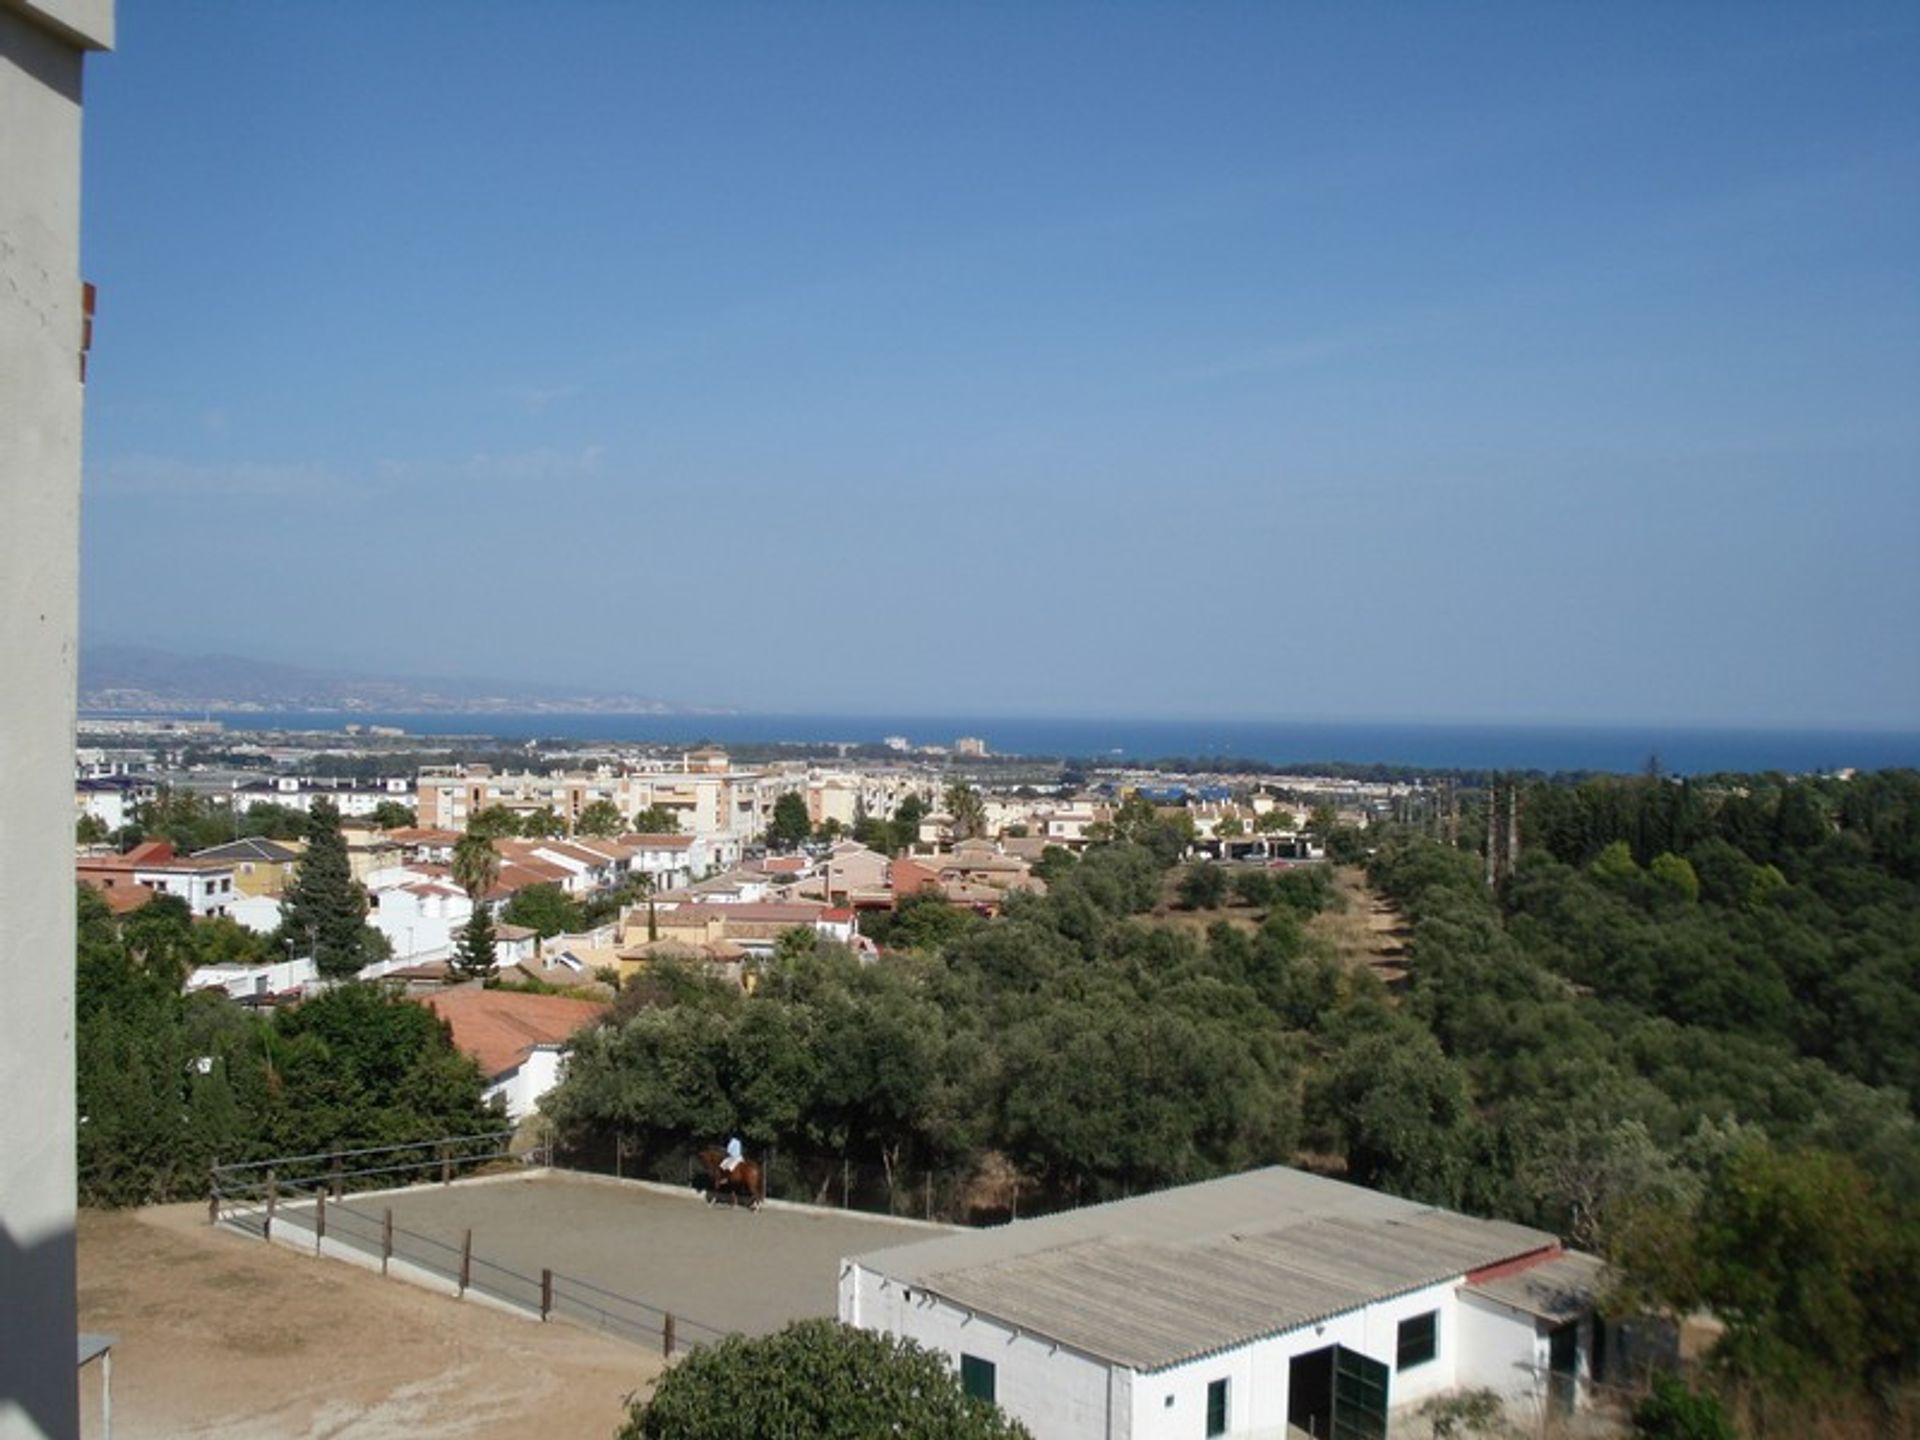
pixel 721 1268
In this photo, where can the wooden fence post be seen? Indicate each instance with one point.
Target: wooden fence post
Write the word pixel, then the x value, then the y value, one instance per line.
pixel 546 1293
pixel 666 1336
pixel 466 1261
pixel 319 1219
pixel 386 1241
pixel 266 1225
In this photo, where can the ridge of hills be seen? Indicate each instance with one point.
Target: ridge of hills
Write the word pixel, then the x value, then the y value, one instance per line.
pixel 143 678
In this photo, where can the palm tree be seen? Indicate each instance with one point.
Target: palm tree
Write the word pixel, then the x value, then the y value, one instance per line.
pixel 475 864
pixel 968 810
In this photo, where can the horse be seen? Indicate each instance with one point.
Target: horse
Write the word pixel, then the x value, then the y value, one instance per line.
pixel 743 1181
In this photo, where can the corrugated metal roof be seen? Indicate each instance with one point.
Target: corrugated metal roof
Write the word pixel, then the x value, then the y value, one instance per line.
pixel 1562 1288
pixel 1153 1281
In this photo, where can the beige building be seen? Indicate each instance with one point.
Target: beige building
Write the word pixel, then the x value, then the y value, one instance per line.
pixel 260 867
pixel 45 330
pixel 702 790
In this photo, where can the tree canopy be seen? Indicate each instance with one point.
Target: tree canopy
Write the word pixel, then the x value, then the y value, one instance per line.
pixel 815 1380
pixel 168 1083
pixel 790 826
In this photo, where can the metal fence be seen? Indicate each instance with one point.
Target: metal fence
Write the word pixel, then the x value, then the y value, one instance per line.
pixel 301 1199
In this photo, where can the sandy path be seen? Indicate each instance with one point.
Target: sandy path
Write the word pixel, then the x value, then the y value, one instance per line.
pixel 223 1337
pixel 1367 931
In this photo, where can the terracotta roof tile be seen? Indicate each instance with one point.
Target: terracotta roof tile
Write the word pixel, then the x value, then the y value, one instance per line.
pixel 500 1028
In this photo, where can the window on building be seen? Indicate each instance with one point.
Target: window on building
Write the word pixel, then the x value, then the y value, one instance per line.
pixel 1217 1408
pixel 976 1377
pixel 1419 1340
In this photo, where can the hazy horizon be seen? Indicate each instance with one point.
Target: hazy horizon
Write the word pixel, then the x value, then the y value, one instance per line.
pixel 1507 366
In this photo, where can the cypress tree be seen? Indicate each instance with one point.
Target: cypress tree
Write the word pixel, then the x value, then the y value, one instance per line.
pixel 473 952
pixel 324 907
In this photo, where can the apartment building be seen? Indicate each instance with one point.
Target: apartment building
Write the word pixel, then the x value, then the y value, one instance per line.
pixel 704 792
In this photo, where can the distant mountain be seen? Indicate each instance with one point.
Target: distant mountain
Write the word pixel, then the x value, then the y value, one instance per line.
pixel 137 678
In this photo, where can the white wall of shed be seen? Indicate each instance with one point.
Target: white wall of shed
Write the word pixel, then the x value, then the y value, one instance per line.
pixel 1257 1374
pixel 1056 1393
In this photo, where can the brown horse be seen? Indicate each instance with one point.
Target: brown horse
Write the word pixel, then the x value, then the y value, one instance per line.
pixel 741 1182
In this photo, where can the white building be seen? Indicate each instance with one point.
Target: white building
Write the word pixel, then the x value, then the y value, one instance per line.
pixel 1238 1307
pixel 206 885
pixel 419 914
pixel 354 799
pixel 255 982
pixel 112 799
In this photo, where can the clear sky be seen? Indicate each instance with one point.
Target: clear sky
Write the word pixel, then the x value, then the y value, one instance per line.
pixel 1270 360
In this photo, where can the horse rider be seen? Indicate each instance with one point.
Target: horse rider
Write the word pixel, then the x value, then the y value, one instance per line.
pixel 733 1156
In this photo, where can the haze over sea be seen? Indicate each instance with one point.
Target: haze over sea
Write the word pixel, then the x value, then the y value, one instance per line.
pixel 1622 748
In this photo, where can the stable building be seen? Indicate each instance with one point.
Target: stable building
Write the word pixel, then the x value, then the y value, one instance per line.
pixel 1262 1304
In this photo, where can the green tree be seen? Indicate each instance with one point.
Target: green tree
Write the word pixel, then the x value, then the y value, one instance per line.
pixel 1407 1115
pixel 601 817
pixel 1676 877
pixel 542 824
pixel 907 816
pixel 545 908
pixel 324 907
pixel 392 815
pixel 159 939
pixel 473 948
pixel 475 865
pixel 656 820
pixel 1203 887
pixel 815 1380
pixel 790 826
pixel 1810 1263
pixel 90 830
pixel 1320 822
pixel 496 822
pixel 967 809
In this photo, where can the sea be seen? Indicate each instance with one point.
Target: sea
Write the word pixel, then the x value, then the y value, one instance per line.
pixel 1624 749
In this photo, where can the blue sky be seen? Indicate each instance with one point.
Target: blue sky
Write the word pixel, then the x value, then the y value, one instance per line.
pixel 1273 361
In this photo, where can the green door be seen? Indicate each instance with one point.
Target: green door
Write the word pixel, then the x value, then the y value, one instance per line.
pixel 1359 1396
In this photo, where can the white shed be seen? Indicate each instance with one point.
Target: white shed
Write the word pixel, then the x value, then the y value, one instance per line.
pixel 1241 1307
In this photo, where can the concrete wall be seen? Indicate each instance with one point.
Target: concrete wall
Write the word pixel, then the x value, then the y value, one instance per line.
pixel 40 400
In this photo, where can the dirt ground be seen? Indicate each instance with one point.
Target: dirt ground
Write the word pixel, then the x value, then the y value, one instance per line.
pixel 224 1337
pixel 1366 930
pixel 716 1268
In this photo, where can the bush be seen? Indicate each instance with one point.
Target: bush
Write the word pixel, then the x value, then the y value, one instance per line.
pixel 816 1378
pixel 1673 1412
pixel 1204 886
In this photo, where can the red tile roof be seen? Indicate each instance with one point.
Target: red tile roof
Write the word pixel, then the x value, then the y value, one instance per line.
pixel 500 1028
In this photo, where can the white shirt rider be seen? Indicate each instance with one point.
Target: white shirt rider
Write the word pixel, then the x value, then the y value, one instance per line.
pixel 733 1156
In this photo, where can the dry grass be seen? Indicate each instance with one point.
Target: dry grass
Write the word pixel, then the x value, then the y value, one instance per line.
pixel 1363 930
